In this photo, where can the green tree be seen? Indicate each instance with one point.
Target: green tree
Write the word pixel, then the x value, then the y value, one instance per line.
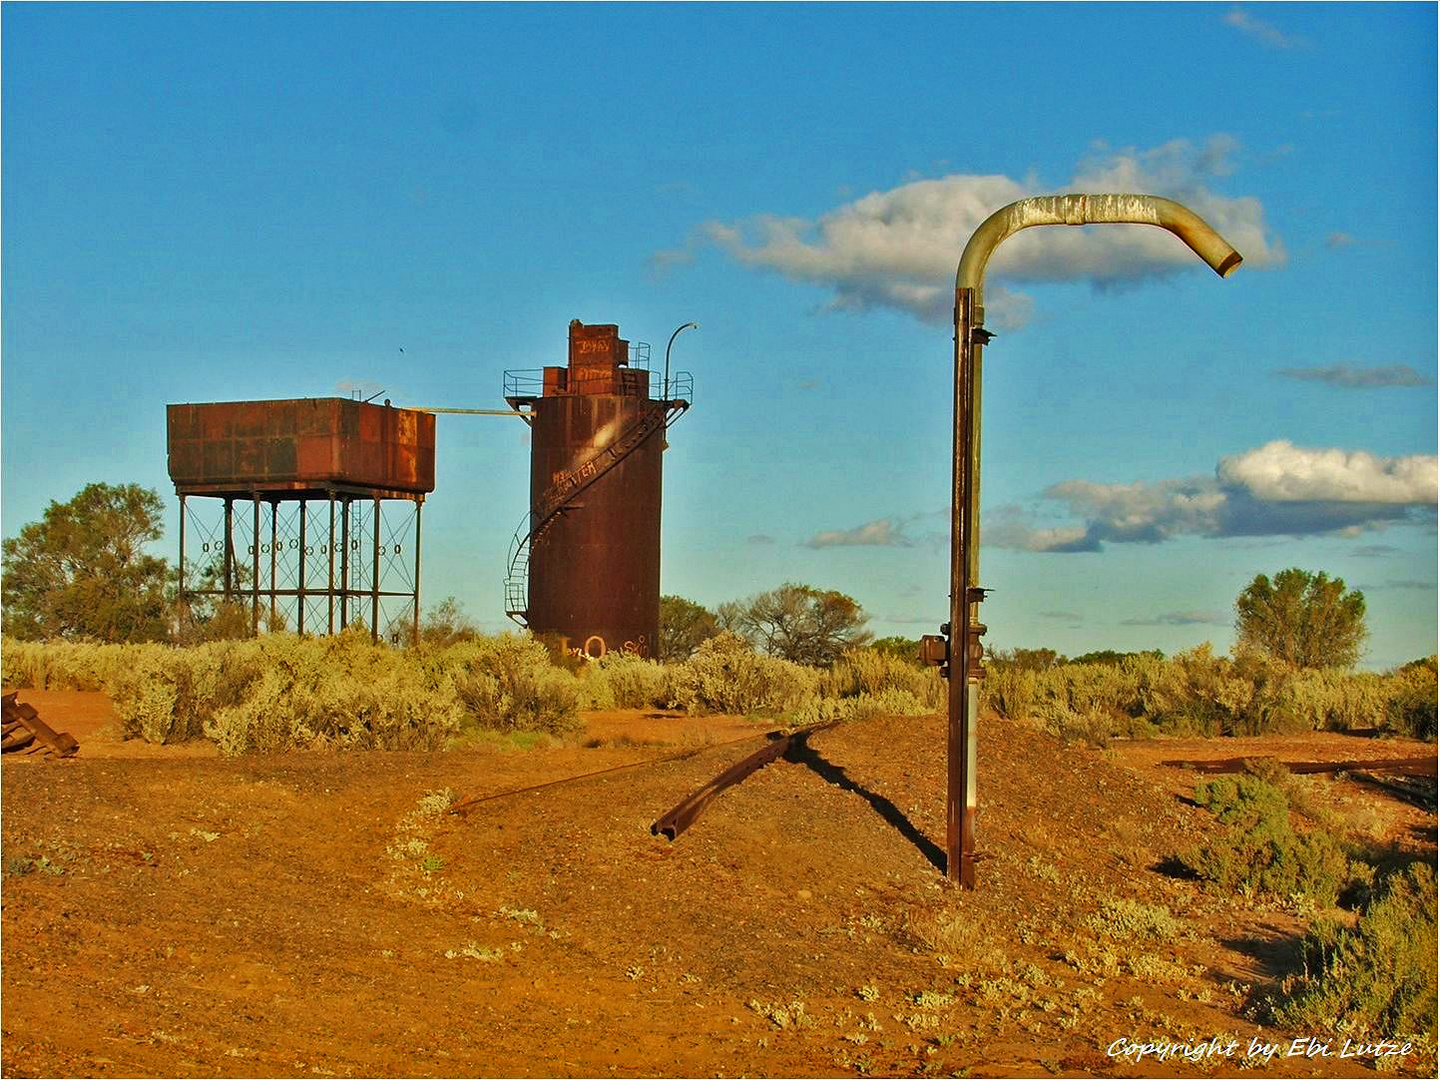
pixel 1027 659
pixel 799 623
pixel 684 624
pixel 82 571
pixel 1301 618
pixel 900 647
pixel 447 623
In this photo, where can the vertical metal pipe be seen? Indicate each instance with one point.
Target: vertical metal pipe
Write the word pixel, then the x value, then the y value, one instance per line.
pixel 181 571
pixel 415 626
pixel 330 580
pixel 228 558
pixel 375 579
pixel 970 337
pixel 274 510
pixel 960 729
pixel 300 579
pixel 344 564
pixel 255 564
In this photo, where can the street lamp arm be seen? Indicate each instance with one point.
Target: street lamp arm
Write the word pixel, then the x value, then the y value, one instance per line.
pixel 1092 210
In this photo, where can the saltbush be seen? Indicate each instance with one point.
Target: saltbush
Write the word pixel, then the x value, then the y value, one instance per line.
pixel 1259 853
pixel 1196 692
pixel 1377 980
pixel 620 680
pixel 1410 705
pixel 726 675
pixel 507 683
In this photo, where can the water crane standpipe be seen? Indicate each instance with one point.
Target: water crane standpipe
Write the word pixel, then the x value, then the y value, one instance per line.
pixel 959 651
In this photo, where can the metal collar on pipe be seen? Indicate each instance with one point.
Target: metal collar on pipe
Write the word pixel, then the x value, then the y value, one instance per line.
pixel 1092 210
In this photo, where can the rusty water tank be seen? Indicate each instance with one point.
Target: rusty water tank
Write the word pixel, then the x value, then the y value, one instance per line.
pixel 300 446
pixel 597 439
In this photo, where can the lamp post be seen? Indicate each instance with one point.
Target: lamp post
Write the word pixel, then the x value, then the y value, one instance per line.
pixel 665 391
pixel 961 648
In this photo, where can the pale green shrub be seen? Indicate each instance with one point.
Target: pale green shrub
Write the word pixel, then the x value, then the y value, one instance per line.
pixel 507 683
pixel 817 709
pixel 1410 700
pixel 65 665
pixel 1316 699
pixel 1377 979
pixel 145 696
pixel 726 675
pixel 342 691
pixel 870 671
pixel 623 681
pixel 1009 690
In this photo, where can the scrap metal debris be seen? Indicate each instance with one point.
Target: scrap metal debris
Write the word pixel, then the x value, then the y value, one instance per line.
pixel 26 733
pixel 681 816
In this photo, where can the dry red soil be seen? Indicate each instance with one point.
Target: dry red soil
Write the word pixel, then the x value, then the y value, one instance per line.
pixel 170 912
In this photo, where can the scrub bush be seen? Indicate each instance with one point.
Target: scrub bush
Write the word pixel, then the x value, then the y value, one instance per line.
pixel 726 675
pixel 507 683
pixel 623 681
pixel 1259 853
pixel 1410 703
pixel 1377 980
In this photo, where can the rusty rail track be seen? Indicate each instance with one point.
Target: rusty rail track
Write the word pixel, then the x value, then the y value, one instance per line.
pixel 1412 766
pixel 681 816
pixel 462 807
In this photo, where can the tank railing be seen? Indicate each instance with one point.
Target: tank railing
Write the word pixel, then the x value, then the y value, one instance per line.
pixel 529 383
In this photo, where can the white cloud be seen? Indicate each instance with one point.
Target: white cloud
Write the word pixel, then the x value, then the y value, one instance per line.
pixel 1277 489
pixel 1279 471
pixel 1262 31
pixel 1183 618
pixel 880 533
pixel 899 248
pixel 1355 377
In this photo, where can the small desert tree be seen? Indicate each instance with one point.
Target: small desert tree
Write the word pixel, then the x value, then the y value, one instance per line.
pixel 799 623
pixel 1301 618
pixel 82 571
pixel 446 623
pixel 684 624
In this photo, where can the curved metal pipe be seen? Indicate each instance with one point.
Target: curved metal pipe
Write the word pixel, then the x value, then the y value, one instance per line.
pixel 1091 210
pixel 665 386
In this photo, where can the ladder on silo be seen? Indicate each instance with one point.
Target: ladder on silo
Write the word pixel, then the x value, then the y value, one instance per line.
pixel 555 498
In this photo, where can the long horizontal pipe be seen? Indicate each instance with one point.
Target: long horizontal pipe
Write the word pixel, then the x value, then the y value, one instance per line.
pixel 1091 210
pixel 472 412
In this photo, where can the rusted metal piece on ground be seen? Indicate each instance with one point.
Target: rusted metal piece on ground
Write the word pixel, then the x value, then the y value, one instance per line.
pixel 462 807
pixel 26 733
pixel 683 815
pixel 1414 766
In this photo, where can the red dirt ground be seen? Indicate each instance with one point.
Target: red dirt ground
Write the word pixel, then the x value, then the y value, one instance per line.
pixel 170 912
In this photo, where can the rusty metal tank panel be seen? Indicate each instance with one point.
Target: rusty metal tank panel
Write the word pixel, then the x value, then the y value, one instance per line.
pixel 300 445
pixel 595 485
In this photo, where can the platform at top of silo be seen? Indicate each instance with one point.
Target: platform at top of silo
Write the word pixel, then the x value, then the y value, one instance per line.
pixel 296 448
pixel 600 362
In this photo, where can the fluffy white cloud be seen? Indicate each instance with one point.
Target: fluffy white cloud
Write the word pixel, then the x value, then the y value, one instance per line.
pixel 1279 471
pixel 1277 489
pixel 880 533
pixel 899 248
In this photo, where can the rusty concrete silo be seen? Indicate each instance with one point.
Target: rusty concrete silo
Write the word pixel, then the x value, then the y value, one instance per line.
pixel 585 565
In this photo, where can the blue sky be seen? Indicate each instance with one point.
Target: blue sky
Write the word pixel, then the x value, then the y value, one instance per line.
pixel 251 201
